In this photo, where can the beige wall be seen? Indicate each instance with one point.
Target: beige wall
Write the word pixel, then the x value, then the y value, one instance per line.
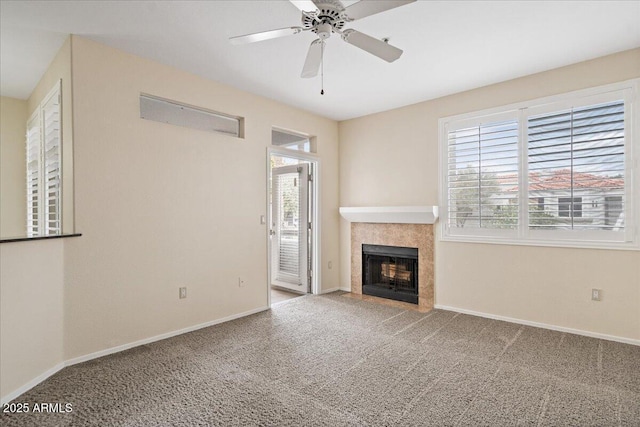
pixel 32 273
pixel 60 69
pixel 13 208
pixel 31 317
pixel 162 206
pixel 538 284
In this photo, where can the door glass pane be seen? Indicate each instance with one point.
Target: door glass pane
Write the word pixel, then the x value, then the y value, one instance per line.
pixel 289 221
pixel 289 234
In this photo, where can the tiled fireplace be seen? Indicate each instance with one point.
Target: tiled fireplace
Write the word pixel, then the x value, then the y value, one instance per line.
pixel 408 227
pixel 418 236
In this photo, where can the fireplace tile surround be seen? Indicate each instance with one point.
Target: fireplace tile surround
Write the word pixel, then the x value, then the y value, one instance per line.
pixel 390 234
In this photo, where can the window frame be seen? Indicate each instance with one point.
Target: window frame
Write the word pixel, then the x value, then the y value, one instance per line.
pixel 43 222
pixel 304 145
pixel 523 235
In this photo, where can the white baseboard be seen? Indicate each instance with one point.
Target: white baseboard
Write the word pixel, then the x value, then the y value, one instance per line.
pixel 37 380
pixel 34 382
pixel 541 325
pixel 144 341
pixel 344 288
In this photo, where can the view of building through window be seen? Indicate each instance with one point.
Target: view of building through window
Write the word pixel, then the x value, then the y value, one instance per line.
pixel 567 174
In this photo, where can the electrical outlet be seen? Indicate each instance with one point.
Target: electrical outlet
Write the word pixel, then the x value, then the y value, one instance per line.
pixel 596 294
pixel 330 265
pixel 240 282
pixel 183 292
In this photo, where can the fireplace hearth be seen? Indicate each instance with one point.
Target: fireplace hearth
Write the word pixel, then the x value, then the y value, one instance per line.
pixel 390 272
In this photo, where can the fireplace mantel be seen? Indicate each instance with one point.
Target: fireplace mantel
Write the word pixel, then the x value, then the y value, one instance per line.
pixel 391 214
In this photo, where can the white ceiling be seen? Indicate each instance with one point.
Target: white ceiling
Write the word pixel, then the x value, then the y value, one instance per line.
pixel 449 46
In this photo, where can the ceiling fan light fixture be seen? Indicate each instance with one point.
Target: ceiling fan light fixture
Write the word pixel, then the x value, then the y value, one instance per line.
pixel 324 31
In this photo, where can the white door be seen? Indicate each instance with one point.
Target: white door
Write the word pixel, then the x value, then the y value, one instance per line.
pixel 290 227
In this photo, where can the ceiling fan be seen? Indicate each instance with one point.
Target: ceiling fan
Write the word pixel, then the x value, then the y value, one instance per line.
pixel 325 17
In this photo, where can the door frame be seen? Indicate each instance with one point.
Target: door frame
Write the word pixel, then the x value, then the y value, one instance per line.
pixel 314 212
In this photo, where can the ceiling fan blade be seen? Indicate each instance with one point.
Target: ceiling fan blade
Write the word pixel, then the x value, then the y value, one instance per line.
pixel 314 58
pixel 304 5
pixel 374 46
pixel 365 8
pixel 265 35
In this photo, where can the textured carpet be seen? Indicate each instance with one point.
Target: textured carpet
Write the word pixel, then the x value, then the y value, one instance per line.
pixel 335 361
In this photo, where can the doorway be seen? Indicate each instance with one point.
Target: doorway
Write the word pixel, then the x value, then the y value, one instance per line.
pixel 293 231
pixel 290 226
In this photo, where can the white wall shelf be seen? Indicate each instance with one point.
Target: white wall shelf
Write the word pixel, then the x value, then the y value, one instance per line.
pixel 391 214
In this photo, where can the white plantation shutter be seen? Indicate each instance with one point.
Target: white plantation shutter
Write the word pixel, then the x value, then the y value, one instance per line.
pixel 557 171
pixel 51 162
pixel 44 162
pixel 289 199
pixel 482 175
pixel 576 161
pixel 34 157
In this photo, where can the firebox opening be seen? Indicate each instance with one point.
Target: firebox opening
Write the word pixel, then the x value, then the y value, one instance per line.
pixel 390 272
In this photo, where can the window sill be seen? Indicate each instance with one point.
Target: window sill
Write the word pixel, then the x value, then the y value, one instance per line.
pixel 28 239
pixel 624 246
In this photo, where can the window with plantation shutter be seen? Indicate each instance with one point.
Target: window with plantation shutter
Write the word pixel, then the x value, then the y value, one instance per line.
pixel 44 160
pixel 576 162
pixel 34 160
pixel 560 171
pixel 482 163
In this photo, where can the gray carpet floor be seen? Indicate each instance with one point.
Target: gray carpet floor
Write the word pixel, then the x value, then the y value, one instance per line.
pixel 335 361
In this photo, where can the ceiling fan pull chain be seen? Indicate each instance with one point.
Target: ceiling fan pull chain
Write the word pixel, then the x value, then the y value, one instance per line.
pixel 322 69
